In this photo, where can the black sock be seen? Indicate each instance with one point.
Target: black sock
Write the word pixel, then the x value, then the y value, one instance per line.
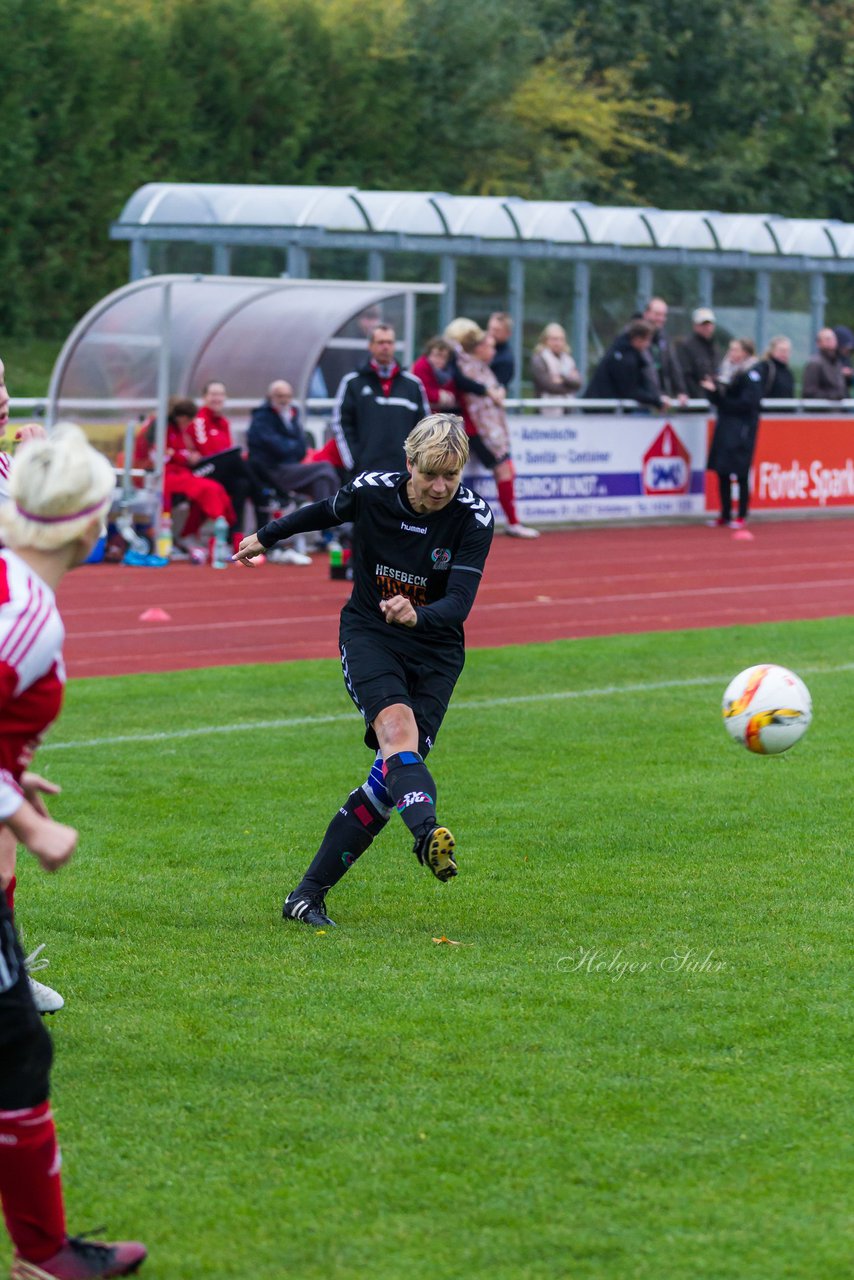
pixel 726 496
pixel 410 785
pixel 348 835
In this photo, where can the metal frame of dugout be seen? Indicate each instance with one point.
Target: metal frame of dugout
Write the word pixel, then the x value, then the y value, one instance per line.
pixel 300 220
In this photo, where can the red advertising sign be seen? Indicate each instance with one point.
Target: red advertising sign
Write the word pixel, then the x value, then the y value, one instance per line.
pixel 799 464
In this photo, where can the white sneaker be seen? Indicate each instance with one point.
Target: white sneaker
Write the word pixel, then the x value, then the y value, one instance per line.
pixel 288 555
pixel 46 999
pixel 521 531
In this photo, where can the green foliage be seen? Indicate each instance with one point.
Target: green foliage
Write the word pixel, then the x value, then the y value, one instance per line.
pixel 255 1098
pixel 730 104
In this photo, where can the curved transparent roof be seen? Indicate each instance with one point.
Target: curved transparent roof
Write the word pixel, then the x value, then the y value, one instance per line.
pixel 424 213
pixel 245 332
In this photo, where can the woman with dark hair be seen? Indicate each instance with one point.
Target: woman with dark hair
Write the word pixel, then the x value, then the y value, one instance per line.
pixel 435 371
pixel 738 401
pixel 208 499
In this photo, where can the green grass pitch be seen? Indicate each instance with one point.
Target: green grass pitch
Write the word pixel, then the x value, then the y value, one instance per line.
pixel 633 1064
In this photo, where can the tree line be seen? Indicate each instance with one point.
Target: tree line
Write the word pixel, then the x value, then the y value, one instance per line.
pixel 738 105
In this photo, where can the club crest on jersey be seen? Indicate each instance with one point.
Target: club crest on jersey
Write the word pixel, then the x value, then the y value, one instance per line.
pixel 441 557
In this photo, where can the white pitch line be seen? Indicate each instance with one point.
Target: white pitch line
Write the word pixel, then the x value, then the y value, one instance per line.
pixel 464 704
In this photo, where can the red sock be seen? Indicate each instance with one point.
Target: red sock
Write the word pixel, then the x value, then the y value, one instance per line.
pixel 507 500
pixel 30 1185
pixel 10 894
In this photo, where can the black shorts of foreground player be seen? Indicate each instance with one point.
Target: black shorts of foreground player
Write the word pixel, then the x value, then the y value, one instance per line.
pixel 420 542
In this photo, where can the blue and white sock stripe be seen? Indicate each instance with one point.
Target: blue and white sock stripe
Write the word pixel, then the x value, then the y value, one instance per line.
pixel 377 790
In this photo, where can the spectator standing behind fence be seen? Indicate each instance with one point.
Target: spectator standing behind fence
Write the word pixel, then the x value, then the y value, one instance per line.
pixel 463 384
pixel 844 343
pixel 778 381
pixel 500 329
pixel 434 371
pixel 826 376
pixel 376 408
pixel 738 402
pixel 624 372
pixel 666 370
pixel 698 355
pixel 486 424
pixel 553 369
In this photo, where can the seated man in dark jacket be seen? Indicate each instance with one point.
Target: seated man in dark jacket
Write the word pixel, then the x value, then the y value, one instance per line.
pixel 277 445
pixel 623 371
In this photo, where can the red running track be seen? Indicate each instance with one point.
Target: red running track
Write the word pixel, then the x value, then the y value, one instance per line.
pixel 570 583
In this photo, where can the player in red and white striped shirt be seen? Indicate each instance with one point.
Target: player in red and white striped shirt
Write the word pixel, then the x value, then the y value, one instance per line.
pixel 60 492
pixel 47 1000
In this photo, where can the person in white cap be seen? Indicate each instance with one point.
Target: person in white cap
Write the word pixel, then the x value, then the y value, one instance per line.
pixel 699 354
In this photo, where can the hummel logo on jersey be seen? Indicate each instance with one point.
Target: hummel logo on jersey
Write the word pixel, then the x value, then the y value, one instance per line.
pixel 376 478
pixel 481 510
pixel 411 528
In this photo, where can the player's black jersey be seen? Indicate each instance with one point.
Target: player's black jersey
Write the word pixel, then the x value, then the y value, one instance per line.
pixel 435 559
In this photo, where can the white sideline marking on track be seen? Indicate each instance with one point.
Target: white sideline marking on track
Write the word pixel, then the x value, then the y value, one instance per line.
pixel 464 704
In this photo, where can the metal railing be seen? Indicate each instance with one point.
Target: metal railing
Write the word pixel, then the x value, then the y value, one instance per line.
pixel 37 406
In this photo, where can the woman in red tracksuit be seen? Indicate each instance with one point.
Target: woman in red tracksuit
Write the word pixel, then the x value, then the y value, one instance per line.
pixel 208 499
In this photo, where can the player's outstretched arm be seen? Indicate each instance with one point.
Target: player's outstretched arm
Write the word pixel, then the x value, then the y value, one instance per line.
pixel 249 548
pixel 51 842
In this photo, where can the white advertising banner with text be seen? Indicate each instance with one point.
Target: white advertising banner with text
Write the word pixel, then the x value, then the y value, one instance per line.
pixel 599 466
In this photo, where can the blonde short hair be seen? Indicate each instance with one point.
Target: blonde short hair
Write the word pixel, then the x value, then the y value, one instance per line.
pixel 438 443
pixel 57 487
pixel 458 327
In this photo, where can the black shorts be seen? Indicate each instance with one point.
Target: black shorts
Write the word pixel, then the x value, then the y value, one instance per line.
pixel 25 1046
pixel 378 675
pixel 481 450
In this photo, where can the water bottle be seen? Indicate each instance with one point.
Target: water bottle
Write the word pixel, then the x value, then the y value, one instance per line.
pixel 163 547
pixel 221 551
pixel 336 559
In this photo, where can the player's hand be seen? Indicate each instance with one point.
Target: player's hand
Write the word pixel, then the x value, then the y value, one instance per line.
pixel 30 431
pixel 35 786
pixel 54 845
pixel 249 548
pixel 51 842
pixel 399 610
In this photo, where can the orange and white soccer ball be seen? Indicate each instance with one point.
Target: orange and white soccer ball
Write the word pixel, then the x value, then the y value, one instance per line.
pixel 767 709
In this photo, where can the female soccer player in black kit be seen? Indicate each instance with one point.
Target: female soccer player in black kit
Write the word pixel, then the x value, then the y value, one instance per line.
pixel 420 542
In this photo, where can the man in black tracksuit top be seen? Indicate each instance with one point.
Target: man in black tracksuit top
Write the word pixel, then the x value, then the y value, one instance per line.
pixel 421 539
pixel 623 373
pixel 376 408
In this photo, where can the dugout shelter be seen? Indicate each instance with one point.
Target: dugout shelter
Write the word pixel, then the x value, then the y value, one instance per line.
pixel 168 335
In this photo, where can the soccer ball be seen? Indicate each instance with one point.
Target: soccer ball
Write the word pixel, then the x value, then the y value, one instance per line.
pixel 767 709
